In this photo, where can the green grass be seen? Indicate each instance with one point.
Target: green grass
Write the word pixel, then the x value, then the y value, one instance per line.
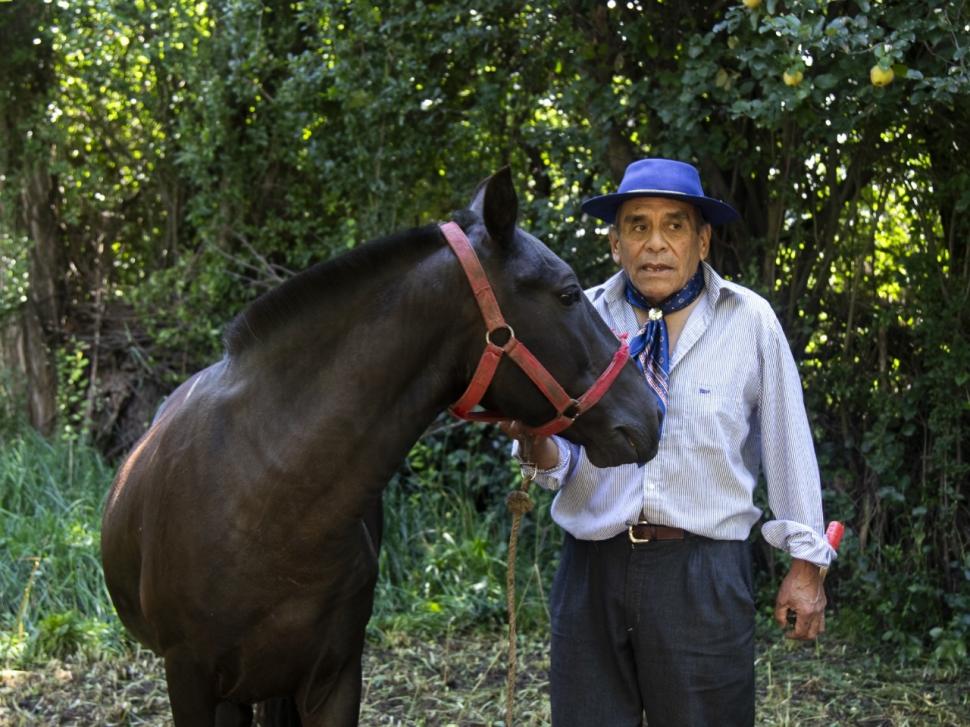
pixel 436 649
pixel 52 596
pixel 835 683
pixel 443 560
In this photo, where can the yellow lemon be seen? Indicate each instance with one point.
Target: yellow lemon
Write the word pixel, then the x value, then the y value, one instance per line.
pixel 881 76
pixel 792 79
pixel 751 4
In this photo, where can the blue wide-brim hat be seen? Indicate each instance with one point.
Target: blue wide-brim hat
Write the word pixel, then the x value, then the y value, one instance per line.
pixel 661 178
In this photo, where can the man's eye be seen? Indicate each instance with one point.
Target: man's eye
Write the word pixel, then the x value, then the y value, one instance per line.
pixel 569 297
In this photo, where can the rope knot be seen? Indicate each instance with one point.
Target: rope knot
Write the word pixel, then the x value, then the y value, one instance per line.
pixel 518 502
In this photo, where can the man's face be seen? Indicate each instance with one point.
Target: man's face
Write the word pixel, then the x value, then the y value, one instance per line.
pixel 659 242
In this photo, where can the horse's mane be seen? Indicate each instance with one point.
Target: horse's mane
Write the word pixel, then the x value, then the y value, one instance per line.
pixel 332 278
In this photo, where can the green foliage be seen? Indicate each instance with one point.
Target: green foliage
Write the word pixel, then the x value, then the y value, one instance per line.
pixel 52 595
pixel 61 635
pixel 198 151
pixel 14 275
pixel 443 561
pixel 72 389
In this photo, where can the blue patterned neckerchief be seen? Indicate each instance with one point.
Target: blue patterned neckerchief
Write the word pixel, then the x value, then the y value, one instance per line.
pixel 650 348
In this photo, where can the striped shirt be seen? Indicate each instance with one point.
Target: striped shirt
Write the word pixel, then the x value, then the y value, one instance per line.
pixel 735 408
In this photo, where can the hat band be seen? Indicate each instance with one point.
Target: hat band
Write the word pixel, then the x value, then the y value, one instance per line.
pixel 663 191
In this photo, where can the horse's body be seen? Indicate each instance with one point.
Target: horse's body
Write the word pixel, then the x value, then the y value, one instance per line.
pixel 240 538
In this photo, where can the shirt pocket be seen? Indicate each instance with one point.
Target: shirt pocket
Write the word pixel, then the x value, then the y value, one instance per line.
pixel 703 415
pixel 702 398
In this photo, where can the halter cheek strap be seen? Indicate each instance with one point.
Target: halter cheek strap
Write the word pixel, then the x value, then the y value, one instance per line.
pixel 567 408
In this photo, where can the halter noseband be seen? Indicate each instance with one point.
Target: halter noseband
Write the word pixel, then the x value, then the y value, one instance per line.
pixel 567 408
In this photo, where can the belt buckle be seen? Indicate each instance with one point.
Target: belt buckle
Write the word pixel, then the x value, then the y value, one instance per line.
pixel 633 538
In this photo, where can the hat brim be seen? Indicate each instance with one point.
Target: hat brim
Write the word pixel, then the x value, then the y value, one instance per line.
pixel 714 211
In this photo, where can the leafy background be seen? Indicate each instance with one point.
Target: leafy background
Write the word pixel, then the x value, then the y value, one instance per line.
pixel 161 163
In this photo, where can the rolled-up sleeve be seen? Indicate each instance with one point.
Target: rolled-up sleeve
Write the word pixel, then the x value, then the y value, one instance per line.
pixel 788 456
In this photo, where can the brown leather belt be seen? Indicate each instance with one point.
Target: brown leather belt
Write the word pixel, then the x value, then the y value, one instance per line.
pixel 646 532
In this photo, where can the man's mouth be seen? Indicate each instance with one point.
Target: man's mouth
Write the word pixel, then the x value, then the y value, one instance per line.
pixel 655 267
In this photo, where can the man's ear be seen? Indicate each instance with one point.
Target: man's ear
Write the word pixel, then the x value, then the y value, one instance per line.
pixel 614 244
pixel 497 204
pixel 704 233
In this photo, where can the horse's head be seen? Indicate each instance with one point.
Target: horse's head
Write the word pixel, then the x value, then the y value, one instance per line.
pixel 543 302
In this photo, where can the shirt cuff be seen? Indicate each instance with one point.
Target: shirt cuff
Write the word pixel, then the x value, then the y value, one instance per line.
pixel 552 478
pixel 798 540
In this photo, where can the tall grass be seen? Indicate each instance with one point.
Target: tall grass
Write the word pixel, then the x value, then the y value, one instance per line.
pixel 442 559
pixel 52 596
pixel 442 569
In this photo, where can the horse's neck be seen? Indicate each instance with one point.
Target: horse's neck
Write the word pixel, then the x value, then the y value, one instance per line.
pixel 358 377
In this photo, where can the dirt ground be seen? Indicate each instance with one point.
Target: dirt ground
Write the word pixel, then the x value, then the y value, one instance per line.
pixel 412 682
pixel 460 682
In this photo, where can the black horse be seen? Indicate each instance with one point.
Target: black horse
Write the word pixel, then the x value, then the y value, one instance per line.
pixel 240 537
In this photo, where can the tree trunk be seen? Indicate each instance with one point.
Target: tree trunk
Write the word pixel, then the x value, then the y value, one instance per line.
pixel 27 350
pixel 27 334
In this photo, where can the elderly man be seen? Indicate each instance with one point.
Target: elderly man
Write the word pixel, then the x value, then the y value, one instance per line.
pixel 653 606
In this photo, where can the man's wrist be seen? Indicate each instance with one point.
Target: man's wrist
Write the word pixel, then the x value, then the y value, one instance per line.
pixel 544 455
pixel 810 568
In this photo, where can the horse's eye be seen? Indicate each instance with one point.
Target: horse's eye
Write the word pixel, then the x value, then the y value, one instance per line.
pixel 569 297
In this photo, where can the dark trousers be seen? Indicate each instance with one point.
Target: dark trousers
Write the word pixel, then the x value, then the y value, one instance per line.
pixel 663 629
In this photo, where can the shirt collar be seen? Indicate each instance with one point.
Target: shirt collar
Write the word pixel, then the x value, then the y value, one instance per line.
pixel 715 285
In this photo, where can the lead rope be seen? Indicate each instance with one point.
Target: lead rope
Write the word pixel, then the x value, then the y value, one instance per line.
pixel 518 502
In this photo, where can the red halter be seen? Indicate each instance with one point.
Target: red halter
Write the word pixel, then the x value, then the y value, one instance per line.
pixel 567 408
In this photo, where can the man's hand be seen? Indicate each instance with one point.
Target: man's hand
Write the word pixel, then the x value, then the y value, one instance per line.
pixel 802 593
pixel 540 451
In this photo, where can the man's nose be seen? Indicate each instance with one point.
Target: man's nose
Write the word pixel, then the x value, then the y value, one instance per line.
pixel 655 242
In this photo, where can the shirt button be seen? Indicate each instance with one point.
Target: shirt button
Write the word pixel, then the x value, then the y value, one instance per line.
pixel 651 486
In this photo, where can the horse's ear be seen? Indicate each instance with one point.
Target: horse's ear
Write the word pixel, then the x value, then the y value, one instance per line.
pixel 495 200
